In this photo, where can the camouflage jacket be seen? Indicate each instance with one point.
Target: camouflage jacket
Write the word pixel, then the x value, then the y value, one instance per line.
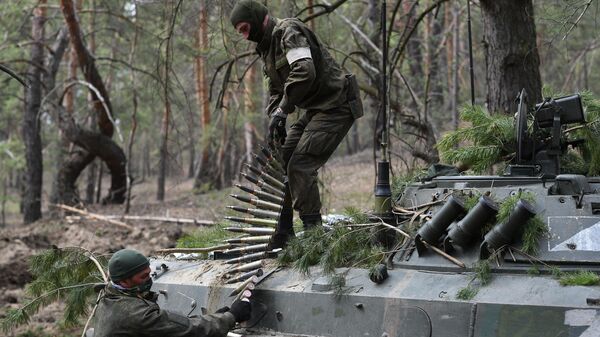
pixel 122 315
pixel 314 82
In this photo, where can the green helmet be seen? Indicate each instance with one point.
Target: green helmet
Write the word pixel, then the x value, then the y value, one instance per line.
pixel 125 263
pixel 252 12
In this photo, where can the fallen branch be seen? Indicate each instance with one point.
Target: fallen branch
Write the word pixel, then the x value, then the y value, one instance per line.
pixel 94 216
pixel 154 218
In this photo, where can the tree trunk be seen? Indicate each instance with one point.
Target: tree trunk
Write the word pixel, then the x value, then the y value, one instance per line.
pixel 3 202
pixel 53 62
pixel 92 169
pixel 114 159
pixel 512 59
pixel 455 66
pixel 204 166
pixel 93 144
pixel 32 202
pixel 134 101
pixel 311 23
pixel 162 165
pixel 221 164
pixel 146 169
pixel 249 109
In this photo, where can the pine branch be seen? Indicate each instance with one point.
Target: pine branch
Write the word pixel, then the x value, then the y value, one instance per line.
pixel 60 274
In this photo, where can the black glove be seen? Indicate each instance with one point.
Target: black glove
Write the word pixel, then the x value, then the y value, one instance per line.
pixel 241 310
pixel 277 126
pixel 222 310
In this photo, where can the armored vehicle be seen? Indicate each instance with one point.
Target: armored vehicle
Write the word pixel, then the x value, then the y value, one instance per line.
pixel 420 296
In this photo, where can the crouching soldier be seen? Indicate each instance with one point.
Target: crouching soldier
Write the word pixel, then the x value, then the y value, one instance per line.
pixel 128 307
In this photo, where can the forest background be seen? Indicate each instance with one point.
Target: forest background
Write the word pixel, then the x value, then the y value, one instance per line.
pixel 183 96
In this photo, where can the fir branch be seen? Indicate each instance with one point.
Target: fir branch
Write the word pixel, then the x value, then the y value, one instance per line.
pixel 67 274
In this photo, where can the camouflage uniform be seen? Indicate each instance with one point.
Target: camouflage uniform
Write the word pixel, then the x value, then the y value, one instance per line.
pixel 120 314
pixel 317 85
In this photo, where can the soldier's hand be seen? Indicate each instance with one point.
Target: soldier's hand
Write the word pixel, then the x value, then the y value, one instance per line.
pixel 222 310
pixel 277 126
pixel 241 310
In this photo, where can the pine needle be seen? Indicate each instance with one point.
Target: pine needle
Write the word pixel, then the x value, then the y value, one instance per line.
pixel 483 272
pixel 467 293
pixel 59 274
pixel 580 278
pixel 487 140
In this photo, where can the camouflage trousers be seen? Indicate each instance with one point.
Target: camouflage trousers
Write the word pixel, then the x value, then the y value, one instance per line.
pixel 310 142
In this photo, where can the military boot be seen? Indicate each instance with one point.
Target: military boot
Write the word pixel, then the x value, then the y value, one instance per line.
pixel 284 231
pixel 310 221
pixel 285 225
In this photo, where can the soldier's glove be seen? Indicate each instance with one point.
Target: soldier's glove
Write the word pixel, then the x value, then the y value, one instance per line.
pixel 277 126
pixel 240 310
pixel 222 310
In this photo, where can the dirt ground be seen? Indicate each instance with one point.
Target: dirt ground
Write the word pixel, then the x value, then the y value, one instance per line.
pixel 347 181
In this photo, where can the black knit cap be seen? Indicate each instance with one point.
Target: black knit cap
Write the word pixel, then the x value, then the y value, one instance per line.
pixel 250 11
pixel 126 263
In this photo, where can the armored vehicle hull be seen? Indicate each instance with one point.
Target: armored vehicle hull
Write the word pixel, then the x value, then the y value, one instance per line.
pixel 420 296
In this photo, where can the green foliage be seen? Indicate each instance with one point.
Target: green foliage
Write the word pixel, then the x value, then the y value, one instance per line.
pixel 489 139
pixel 580 278
pixel 556 272
pixel 337 282
pixel 472 200
pixel 533 230
pixel 590 133
pixel 66 274
pixel 483 272
pixel 573 162
pixel 304 251
pixel 205 237
pixel 339 247
pixel 467 293
pixel 402 181
pixel 357 216
pixel 534 270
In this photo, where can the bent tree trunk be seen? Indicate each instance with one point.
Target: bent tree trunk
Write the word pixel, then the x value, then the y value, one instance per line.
pixel 92 143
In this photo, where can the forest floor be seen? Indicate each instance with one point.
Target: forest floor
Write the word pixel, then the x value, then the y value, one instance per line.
pixel 346 181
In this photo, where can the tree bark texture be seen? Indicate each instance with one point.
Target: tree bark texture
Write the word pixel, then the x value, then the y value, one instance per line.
pixel 134 101
pixel 88 67
pixel 93 144
pixel 164 150
pixel 512 58
pixel 32 201
pixel 204 166
pixel 250 109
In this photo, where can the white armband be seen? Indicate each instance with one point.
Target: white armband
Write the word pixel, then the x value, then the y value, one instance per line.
pixel 296 54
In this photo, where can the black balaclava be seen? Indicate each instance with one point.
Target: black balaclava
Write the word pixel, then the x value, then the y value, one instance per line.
pixel 252 12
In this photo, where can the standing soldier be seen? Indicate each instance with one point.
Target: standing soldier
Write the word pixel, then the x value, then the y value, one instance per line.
pixel 302 74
